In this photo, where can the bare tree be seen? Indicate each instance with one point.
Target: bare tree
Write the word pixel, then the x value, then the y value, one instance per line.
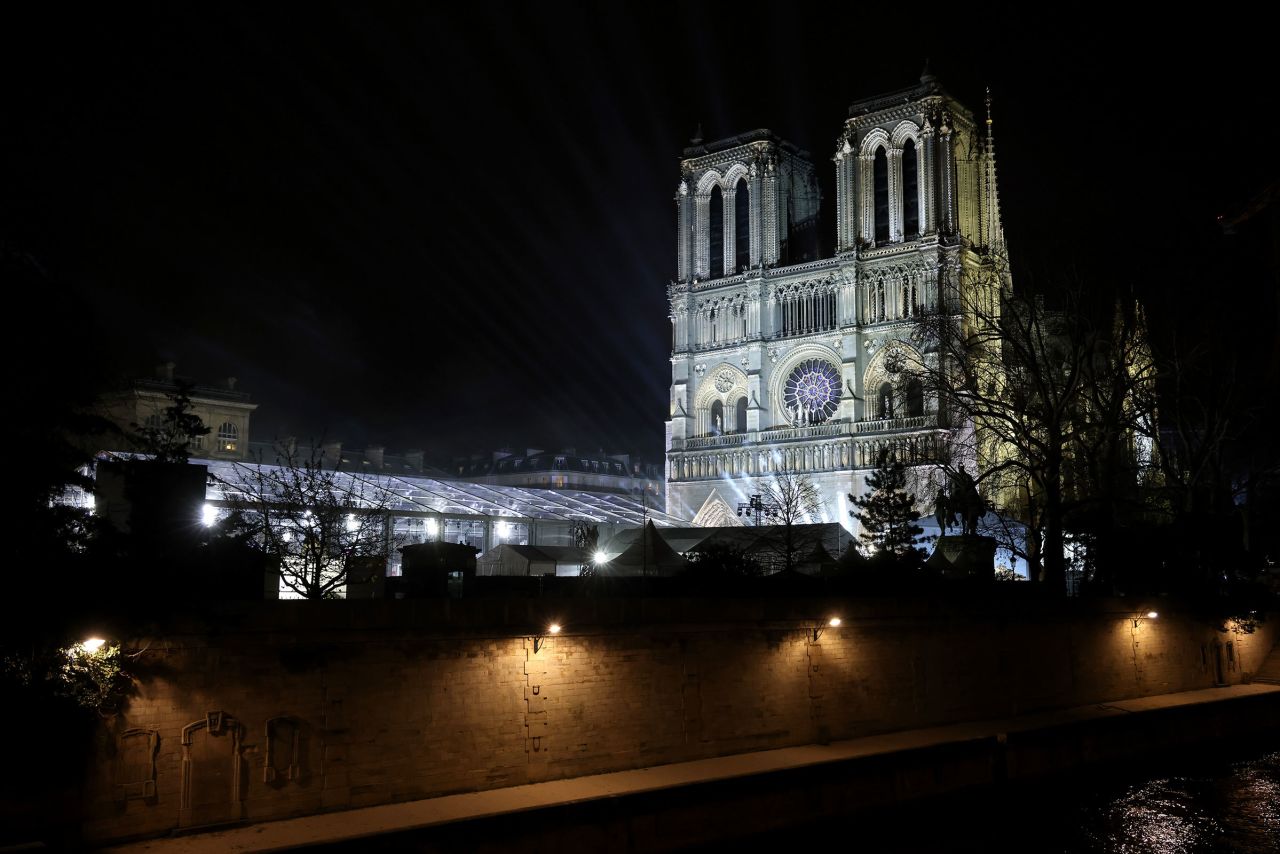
pixel 314 521
pixel 791 500
pixel 1035 396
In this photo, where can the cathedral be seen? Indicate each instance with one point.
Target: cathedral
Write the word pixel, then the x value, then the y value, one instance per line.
pixel 783 361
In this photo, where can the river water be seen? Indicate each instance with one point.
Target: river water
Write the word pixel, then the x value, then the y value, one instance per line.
pixel 1224 803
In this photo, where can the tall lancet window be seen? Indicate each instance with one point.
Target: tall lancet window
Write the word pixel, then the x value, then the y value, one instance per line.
pixel 742 225
pixel 910 192
pixel 715 214
pixel 881 184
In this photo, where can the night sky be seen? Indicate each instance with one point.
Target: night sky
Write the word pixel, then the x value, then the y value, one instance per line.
pixel 454 230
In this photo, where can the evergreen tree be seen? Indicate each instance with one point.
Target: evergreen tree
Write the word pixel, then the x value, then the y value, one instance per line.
pixel 887 512
pixel 171 440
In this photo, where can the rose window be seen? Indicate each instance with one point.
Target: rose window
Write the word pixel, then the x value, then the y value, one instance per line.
pixel 812 392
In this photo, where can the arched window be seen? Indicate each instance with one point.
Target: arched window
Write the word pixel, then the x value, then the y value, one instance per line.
pixel 884 400
pixel 880 174
pixel 715 213
pixel 910 191
pixel 742 225
pixel 154 421
pixel 915 398
pixel 717 418
pixel 740 421
pixel 228 436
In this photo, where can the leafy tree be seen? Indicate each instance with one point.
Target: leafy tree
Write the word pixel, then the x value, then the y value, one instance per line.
pixel 314 521
pixel 888 512
pixel 171 440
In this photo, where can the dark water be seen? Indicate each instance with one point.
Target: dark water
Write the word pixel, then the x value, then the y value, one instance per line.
pixel 1205 804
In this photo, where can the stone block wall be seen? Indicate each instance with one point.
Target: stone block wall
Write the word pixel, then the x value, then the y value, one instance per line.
pixel 310 707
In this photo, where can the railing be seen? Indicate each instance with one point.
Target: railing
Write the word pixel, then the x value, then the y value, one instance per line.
pixel 817 431
pixel 727 440
pixel 914 422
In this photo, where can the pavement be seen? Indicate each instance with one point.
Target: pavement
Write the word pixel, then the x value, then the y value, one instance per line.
pixel 354 824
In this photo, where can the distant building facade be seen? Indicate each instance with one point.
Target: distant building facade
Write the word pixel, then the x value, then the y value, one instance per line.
pixel 785 366
pixel 224 409
pixel 565 469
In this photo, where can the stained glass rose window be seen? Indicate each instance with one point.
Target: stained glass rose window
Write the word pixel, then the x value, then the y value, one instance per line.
pixel 812 392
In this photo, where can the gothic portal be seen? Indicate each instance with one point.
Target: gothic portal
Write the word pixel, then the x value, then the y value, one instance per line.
pixel 783 361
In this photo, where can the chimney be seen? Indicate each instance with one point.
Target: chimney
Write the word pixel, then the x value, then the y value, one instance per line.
pixel 165 371
pixel 414 459
pixel 331 454
pixel 373 455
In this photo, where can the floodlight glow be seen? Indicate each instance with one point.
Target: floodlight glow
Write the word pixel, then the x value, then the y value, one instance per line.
pixel 92 645
pixel 599 557
pixel 554 629
pixel 209 515
pixel 503 530
pixel 1151 615
pixel 835 621
pixel 352 522
pixel 433 527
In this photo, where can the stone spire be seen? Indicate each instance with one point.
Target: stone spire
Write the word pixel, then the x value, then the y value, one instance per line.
pixel 992 228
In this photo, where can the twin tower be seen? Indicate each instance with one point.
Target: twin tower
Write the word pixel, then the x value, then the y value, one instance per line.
pixel 786 361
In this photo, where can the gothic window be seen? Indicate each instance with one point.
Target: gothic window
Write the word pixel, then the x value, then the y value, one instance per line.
pixel 915 398
pixel 228 436
pixel 154 421
pixel 880 174
pixel 884 400
pixel 742 225
pixel 740 413
pixel 716 222
pixel 910 191
pixel 879 307
pixel 717 418
pixel 812 392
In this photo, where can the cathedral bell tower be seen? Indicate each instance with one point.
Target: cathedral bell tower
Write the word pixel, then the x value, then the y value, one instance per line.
pixel 783 361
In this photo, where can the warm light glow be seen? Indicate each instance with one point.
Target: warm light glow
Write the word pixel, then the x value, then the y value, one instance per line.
pixel 1151 615
pixel 554 628
pixel 92 645
pixel 600 557
pixel 835 621
pixel 209 515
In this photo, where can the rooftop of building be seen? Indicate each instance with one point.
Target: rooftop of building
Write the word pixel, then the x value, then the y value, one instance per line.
pixel 701 149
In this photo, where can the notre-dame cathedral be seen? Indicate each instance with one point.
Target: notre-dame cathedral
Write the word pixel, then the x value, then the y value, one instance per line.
pixel 783 361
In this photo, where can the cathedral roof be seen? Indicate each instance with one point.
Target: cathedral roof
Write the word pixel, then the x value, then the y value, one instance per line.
pixel 757 135
pixel 927 86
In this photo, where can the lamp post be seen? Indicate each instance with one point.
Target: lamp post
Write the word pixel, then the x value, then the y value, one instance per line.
pixel 756 507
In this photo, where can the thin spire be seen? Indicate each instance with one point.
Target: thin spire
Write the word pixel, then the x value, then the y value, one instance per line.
pixel 994 228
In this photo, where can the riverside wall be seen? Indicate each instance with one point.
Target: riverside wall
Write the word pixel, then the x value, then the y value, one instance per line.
pixel 281 709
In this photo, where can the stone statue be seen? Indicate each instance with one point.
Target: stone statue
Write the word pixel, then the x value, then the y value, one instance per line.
pixel 719 426
pixel 966 500
pixel 943 512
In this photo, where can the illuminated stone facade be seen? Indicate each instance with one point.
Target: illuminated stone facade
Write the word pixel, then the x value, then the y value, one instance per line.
pixel 785 361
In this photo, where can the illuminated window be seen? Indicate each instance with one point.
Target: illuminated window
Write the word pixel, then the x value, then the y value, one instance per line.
pixel 715 212
pixel 910 191
pixel 880 174
pixel 228 436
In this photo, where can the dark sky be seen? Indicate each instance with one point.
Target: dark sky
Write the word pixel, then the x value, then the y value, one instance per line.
pixel 454 230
